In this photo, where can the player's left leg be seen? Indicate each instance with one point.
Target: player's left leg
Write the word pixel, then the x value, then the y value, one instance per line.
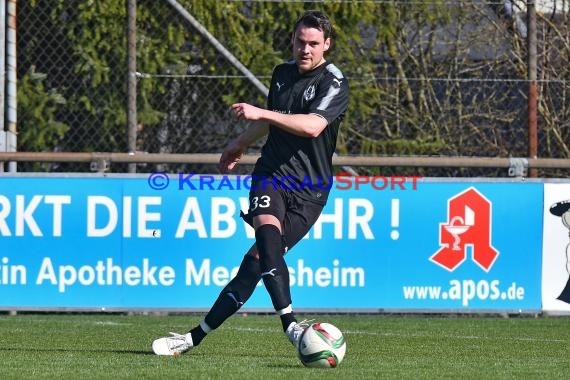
pixel 281 219
pixel 301 215
pixel 274 271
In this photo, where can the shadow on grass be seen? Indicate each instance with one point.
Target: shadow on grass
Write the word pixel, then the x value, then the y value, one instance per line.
pixel 7 350
pixel 86 350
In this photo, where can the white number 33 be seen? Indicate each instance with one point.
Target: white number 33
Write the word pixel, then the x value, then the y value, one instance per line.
pixel 263 202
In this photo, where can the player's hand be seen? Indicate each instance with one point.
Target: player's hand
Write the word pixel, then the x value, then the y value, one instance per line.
pixel 244 111
pixel 230 157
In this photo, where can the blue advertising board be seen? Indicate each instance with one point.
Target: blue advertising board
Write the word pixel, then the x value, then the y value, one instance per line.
pixel 173 242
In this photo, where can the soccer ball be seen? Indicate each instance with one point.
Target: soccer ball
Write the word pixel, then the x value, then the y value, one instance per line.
pixel 322 345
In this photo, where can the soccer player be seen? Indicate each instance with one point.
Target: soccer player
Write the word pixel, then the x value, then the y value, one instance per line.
pixel 307 100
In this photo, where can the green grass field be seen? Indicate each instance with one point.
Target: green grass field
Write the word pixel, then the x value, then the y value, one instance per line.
pixel 93 346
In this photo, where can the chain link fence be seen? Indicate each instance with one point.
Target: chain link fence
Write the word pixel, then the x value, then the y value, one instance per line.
pixel 427 77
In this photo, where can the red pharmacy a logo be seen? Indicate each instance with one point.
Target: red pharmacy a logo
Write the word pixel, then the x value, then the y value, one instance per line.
pixel 468 225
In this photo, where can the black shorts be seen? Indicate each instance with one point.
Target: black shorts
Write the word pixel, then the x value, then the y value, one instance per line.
pixel 297 215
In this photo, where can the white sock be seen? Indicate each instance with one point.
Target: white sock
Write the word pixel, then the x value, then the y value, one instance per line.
pixel 205 326
pixel 288 309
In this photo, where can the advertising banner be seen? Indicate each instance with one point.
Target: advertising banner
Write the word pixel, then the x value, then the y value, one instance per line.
pixel 173 242
pixel 556 241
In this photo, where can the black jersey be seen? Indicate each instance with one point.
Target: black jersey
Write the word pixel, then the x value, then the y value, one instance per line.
pixel 304 164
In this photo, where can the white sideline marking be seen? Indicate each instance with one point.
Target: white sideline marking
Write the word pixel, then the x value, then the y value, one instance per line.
pixel 81 322
pixel 111 323
pixel 389 334
pixel 526 339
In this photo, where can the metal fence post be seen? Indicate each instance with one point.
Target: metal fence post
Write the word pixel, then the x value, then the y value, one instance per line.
pixel 532 90
pixel 2 76
pixel 132 80
pixel 11 131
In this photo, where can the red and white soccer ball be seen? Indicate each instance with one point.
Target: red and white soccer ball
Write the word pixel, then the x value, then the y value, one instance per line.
pixel 322 345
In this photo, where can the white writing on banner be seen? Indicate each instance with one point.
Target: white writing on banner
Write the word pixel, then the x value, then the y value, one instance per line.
pixel 108 272
pixel 20 214
pixel 143 217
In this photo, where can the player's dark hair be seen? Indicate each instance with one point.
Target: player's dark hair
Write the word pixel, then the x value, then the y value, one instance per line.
pixel 318 20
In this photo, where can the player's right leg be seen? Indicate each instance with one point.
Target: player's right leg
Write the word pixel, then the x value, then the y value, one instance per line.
pixel 230 300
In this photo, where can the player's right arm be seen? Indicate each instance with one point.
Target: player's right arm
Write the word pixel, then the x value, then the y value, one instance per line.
pixel 238 146
pixel 304 125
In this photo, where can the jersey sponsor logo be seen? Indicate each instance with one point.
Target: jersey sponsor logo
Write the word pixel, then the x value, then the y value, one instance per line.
pixel 468 225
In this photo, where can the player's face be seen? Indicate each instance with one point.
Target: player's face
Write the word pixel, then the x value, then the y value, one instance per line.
pixel 309 46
